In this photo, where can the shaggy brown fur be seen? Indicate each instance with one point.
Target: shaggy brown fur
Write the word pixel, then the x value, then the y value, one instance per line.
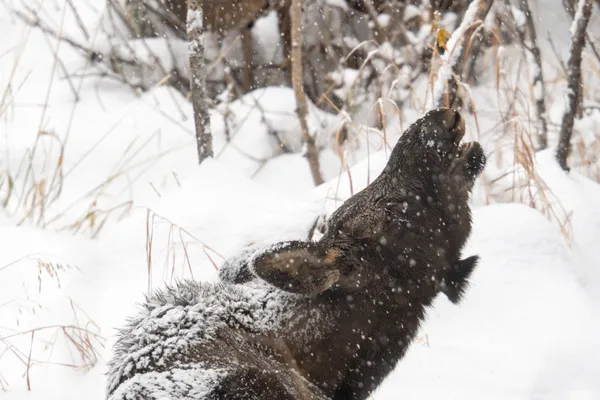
pixel 334 316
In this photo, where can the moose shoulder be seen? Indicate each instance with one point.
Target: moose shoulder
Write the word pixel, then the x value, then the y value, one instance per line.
pixel 318 320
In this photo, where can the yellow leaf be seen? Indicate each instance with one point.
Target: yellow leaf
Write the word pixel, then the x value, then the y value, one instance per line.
pixel 442 37
pixel 91 217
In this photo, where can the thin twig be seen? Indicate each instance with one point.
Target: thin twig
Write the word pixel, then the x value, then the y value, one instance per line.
pixel 312 154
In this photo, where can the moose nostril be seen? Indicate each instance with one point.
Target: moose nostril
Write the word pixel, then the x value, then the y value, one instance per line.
pixel 456 119
pixel 458 126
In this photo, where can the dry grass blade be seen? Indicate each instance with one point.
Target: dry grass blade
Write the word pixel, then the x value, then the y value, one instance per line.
pixel 82 338
pixel 177 236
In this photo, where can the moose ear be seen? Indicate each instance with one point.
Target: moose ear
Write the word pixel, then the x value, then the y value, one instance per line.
pixel 298 267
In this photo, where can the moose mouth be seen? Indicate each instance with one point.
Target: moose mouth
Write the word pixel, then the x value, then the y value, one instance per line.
pixel 463 149
pixel 463 152
pixel 455 125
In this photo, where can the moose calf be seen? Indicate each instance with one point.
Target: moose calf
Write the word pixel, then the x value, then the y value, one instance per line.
pixel 317 320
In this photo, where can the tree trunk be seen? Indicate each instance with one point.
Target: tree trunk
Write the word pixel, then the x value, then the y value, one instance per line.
pixel 248 50
pixel 578 30
pixel 195 30
pixel 285 30
pixel 539 88
pixel 312 153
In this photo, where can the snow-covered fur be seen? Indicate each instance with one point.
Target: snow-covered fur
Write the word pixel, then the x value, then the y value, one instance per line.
pixel 191 337
pixel 317 320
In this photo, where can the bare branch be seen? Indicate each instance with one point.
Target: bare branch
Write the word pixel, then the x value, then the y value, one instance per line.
pixel 195 29
pixel 539 88
pixel 312 154
pixel 578 31
pixel 168 12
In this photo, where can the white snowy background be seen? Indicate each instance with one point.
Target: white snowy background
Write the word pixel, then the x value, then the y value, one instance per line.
pixel 101 198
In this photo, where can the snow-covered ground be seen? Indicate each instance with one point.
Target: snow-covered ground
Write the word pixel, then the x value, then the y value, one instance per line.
pixel 114 203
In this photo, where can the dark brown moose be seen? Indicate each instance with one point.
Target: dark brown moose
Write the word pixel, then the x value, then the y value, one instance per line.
pixel 317 320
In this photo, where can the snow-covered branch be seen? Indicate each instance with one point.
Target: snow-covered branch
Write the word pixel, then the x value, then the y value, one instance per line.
pixel 195 29
pixel 446 85
pixel 578 31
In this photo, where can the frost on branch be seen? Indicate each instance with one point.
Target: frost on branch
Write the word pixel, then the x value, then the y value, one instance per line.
pixel 195 29
pixel 446 85
pixel 578 31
